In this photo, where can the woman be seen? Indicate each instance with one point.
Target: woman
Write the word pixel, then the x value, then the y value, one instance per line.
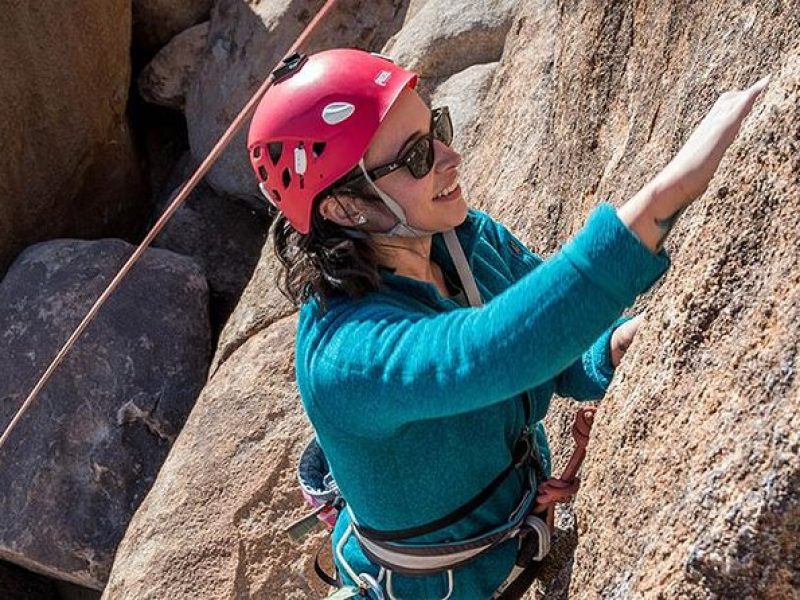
pixel 422 372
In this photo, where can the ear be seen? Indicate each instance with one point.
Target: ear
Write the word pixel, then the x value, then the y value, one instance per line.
pixel 342 210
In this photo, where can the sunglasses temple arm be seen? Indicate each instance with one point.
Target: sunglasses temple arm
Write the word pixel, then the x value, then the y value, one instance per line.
pixel 390 203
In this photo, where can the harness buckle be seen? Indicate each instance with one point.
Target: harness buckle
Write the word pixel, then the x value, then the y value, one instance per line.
pixel 369 584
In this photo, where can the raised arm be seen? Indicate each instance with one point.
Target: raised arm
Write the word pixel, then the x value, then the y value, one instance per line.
pixel 652 212
pixel 371 366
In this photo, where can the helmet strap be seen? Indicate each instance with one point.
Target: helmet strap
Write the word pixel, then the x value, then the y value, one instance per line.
pixel 401 228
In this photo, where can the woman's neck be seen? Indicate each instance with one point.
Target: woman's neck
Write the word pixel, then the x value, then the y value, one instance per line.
pixel 410 257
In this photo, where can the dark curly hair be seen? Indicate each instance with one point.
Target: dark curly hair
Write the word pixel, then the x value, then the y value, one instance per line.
pixel 326 262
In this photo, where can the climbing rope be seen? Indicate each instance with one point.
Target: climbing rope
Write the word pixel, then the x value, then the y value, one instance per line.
pixel 562 489
pixel 176 203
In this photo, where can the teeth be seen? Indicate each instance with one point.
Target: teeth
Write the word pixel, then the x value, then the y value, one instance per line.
pixel 447 190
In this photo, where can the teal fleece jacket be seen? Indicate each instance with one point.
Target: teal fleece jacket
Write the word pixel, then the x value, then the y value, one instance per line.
pixel 416 400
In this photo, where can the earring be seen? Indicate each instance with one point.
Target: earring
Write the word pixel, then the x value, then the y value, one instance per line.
pixel 361 219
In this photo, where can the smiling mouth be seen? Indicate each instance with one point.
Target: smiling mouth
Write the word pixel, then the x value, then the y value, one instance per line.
pixel 449 192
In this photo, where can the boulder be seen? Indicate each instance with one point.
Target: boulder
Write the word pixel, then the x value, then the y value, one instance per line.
pixel 80 461
pixel 211 527
pixel 68 166
pixel 464 94
pixel 224 236
pixel 167 77
pixel 260 305
pixel 245 42
pixel 156 22
pixel 444 37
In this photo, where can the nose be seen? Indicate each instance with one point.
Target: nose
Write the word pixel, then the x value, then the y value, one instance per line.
pixel 445 158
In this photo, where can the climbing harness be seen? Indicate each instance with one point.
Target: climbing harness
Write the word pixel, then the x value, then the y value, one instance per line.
pixel 531 522
pixel 280 71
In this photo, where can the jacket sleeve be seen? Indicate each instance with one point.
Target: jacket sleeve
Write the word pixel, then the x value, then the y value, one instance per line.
pixel 369 367
pixel 588 377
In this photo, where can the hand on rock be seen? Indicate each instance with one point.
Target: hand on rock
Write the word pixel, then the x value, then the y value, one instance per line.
pixel 691 170
pixel 622 337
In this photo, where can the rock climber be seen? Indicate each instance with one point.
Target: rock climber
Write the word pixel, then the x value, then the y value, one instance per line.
pixel 430 340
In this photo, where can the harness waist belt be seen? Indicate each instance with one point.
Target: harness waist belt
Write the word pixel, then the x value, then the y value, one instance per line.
pixel 422 558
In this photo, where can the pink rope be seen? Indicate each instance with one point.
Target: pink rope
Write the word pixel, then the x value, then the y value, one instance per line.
pixel 187 188
pixel 564 488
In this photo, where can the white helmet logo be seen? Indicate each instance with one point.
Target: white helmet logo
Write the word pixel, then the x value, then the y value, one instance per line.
pixel 336 112
pixel 383 77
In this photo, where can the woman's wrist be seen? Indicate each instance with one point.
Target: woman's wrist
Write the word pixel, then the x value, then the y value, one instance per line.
pixel 653 211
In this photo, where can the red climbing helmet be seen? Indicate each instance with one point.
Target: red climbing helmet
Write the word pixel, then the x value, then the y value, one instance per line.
pixel 316 121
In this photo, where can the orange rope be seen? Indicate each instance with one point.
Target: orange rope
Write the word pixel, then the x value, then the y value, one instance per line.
pixel 176 203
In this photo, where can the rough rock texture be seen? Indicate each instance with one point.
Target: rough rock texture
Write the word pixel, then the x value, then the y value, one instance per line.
pixel 67 166
pixel 464 94
pixel 445 37
pixel 223 235
pixel 79 463
pixel 155 22
pixel 260 305
pixel 166 78
pixel 690 487
pixel 229 488
pixel 246 41
pixel 707 408
pixel 691 484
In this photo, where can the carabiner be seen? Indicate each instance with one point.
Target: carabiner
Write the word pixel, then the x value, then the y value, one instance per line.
pixel 369 583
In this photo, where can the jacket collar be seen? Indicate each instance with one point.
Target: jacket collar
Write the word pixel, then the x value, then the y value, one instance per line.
pixel 468 234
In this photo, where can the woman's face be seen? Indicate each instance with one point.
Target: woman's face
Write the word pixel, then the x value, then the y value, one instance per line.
pixel 408 119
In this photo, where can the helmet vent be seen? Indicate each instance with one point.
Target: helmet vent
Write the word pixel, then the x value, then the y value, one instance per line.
pixel 276 196
pixel 257 152
pixel 262 172
pixel 287 178
pixel 317 148
pixel 275 150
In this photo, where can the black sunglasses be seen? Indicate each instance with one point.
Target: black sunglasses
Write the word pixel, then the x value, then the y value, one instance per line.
pixel 419 157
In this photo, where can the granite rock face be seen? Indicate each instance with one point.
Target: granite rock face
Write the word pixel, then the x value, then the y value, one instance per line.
pixel 259 306
pixel 690 488
pixel 211 527
pixel 464 93
pixel 84 455
pixel 223 235
pixel 706 409
pixel 155 22
pixel 444 37
pixel 167 77
pixel 68 167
